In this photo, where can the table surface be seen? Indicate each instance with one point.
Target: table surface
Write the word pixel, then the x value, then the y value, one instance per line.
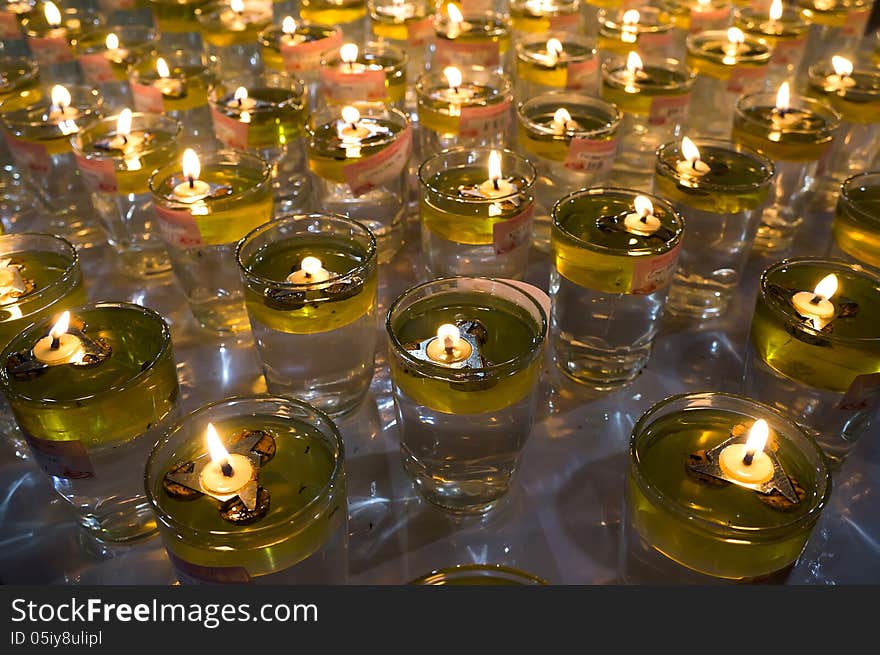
pixel 560 521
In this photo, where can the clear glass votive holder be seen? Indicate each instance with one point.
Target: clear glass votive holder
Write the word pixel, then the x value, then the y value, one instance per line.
pixel 481 39
pixel 91 409
pixel 314 322
pixel 650 35
pixel 378 74
pixel 795 139
pixel 179 89
pixel 350 16
pixel 541 68
pixel 200 233
pixel 116 170
pixel 464 422
pixel 38 134
pixel 824 371
pixel 688 521
pixel 725 71
pixel 531 18
pixel 232 36
pixel 856 225
pixel 574 153
pixel 786 35
pixel 296 530
pixel 475 113
pixel 50 42
pixel 477 575
pixel 296 47
pixel 470 225
pixel 409 26
pixel 722 207
pixel 692 16
pixel 609 282
pixel 269 121
pixel 836 28
pixel 12 13
pixel 654 98
pixel 176 16
pixel 360 168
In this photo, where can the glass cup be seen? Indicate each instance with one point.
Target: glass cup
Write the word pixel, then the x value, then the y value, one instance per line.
pixel 314 322
pixel 577 152
pixel 296 532
pixel 856 224
pixel 50 42
pixel 91 419
pixel 540 69
pixel 722 207
pixel 685 524
pixel 650 35
pixel 200 233
pixel 349 15
pixel 609 283
pixel 407 25
pixel 463 423
pixel 116 172
pixel 823 370
pixel 693 16
pixel 231 36
pixel 471 224
pixel 786 35
pixel 836 28
pixel 298 51
pixel 530 18
pixel 795 140
pixel 481 39
pixel 378 74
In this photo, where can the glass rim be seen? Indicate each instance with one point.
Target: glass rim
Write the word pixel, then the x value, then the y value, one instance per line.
pixel 821 69
pixel 832 117
pixel 29 64
pixel 565 37
pixel 446 373
pixel 144 66
pixel 694 47
pixel 563 4
pixel 531 172
pixel 616 63
pixel 668 170
pixel 205 157
pixel 503 88
pixel 491 570
pixel 494 22
pixel 174 126
pixel 271 35
pixel 332 434
pixel 657 201
pixel 210 10
pixel 655 496
pixel 611 18
pixel 290 219
pixel 836 265
pixel 134 380
pixel 331 56
pixel 316 120
pixel 95 18
pixel 297 88
pixel 794 20
pixel 372 6
pixel 72 268
pixel 846 187
pixel 88 111
pixel 150 36
pixel 573 98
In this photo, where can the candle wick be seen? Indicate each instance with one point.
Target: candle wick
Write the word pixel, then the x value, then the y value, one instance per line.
pixel 307 275
pixel 495 184
pixel 226 469
pixel 56 343
pixel 456 90
pixel 815 300
pixel 750 456
pixel 644 219
pixel 192 182
pixel 124 139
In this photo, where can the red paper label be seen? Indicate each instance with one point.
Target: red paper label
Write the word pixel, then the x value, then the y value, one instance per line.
pixel 856 21
pixel 50 50
pixel 745 79
pixel 864 392
pixel 471 7
pixel 455 52
pixel 582 75
pixel 9 29
pixel 590 155
pixel 306 56
pixel 340 87
pixel 715 18
pixel 565 22
pixel 669 110
pixel 420 32
pixel 383 166
pixel 653 273
pixel 28 156
pixel 96 68
pixel 99 174
pixel 514 232
pixel 178 227
pixel 62 459
pixel 479 121
pixel 189 573
pixel 653 42
pixel 230 131
pixel 788 52
pixel 147 98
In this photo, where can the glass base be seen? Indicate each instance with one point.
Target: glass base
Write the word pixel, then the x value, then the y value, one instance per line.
pixel 220 315
pixel 443 257
pixel 600 369
pixel 776 231
pixel 120 521
pixel 698 297
pixel 144 263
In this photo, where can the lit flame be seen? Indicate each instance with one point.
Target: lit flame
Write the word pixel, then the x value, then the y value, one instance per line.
pixel 554 47
pixel 112 41
pixel 783 97
pixel 689 150
pixel 348 53
pixel 454 13
pixel 631 17
pixel 735 35
pixel 757 438
pixel 311 265
pixel 562 117
pixel 644 206
pixel 827 287
pixel 448 335
pixel 494 165
pixel 634 62
pixel 52 14
pixel 191 164
pixel 162 68
pixel 61 326
pixel 350 115
pixel 842 66
pixel 288 25
pixel 704 3
pixel 240 94
pixel 123 123
pixel 60 97
pixel 453 76
pixel 237 6
pixel 776 10
pixel 219 454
